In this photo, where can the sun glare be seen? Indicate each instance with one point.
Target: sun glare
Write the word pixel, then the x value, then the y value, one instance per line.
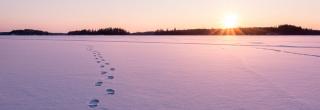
pixel 230 21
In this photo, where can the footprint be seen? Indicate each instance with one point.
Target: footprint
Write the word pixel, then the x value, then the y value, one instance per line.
pixel 102 66
pixel 103 72
pixel 93 103
pixel 110 91
pixel 97 58
pixel 110 77
pixel 107 63
pixel 98 61
pixel 103 60
pixel 112 69
pixel 99 83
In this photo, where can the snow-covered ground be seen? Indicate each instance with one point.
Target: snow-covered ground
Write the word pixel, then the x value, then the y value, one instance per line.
pixel 159 73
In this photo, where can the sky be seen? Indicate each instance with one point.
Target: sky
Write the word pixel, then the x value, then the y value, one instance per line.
pixel 146 15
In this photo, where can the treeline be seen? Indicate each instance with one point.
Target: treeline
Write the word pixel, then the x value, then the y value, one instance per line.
pixel 25 32
pixel 106 31
pixel 280 30
pixel 176 32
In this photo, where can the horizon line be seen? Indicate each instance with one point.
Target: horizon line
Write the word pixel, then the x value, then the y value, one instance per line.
pixel 174 28
pixel 221 28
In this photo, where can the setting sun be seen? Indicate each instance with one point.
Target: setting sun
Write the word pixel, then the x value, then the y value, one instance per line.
pixel 230 21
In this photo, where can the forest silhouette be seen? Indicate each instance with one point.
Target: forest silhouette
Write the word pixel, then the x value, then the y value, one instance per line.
pixel 280 30
pixel 106 31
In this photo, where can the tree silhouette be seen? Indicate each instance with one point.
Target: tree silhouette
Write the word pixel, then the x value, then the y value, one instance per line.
pixel 105 31
pixel 285 29
pixel 280 30
pixel 28 32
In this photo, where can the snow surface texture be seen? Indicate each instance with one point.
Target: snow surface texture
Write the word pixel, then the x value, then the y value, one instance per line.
pixel 159 73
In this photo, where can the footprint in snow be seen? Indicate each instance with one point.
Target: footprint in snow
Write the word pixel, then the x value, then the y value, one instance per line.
pixel 99 83
pixel 112 69
pixel 110 77
pixel 110 91
pixel 93 103
pixel 102 66
pixel 103 72
pixel 107 63
pixel 98 61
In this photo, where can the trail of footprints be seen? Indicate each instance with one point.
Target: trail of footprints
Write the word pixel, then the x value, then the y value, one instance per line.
pixel 106 73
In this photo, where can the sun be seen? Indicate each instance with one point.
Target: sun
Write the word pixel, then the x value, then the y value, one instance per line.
pixel 230 21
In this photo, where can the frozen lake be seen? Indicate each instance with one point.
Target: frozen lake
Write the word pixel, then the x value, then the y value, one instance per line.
pixel 159 72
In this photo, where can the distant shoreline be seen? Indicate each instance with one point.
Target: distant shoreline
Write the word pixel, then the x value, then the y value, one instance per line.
pixel 245 31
